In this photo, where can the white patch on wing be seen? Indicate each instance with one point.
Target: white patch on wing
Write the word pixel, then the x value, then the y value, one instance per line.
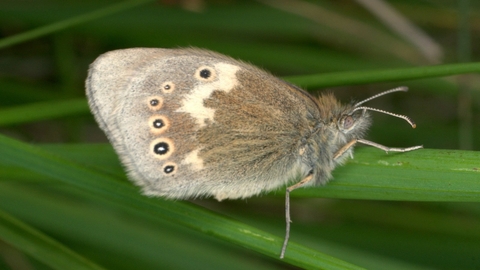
pixel 193 103
pixel 193 160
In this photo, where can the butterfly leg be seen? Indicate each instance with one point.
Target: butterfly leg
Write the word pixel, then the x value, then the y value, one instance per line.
pixel 345 148
pixel 389 149
pixel 374 144
pixel 287 210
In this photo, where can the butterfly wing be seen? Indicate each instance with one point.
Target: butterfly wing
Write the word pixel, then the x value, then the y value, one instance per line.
pixel 190 122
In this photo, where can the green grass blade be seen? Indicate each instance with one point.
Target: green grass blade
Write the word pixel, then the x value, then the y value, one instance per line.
pixel 384 75
pixel 121 193
pixel 421 175
pixel 40 246
pixel 61 25
pixel 42 111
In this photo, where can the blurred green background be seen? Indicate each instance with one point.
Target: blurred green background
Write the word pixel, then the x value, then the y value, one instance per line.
pixel 45 51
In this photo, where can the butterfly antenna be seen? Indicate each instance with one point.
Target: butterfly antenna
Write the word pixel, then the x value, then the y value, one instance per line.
pixel 406 118
pixel 398 89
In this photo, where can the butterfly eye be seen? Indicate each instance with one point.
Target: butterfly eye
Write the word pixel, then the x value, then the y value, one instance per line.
pixel 348 122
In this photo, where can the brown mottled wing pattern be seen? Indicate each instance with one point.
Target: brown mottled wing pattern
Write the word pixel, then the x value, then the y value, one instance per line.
pixel 189 122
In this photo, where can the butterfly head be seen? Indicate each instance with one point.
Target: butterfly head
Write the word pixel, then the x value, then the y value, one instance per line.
pixel 344 123
pixel 352 123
